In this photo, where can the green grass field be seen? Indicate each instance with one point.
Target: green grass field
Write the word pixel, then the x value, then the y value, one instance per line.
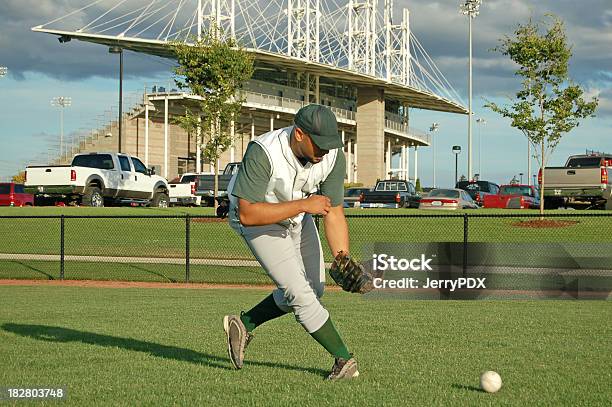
pixel 165 238
pixel 166 347
pixel 513 285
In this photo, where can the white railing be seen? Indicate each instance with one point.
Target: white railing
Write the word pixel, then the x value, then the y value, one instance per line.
pixel 278 101
pixel 271 100
pixel 404 128
pixel 343 113
pixel 418 134
pixel 267 100
pixel 393 125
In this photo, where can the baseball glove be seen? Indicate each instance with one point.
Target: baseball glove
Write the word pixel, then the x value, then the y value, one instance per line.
pixel 350 275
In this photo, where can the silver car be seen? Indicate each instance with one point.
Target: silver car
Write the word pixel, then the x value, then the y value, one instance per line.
pixel 448 199
pixel 351 197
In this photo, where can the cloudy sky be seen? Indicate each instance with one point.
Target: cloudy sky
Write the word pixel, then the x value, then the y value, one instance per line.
pixel 40 68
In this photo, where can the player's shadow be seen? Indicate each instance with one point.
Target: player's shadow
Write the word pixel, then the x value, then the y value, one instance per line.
pixel 63 335
pixel 465 387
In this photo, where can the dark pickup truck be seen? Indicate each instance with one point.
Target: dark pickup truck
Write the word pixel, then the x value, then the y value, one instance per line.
pixel 205 184
pixel 390 194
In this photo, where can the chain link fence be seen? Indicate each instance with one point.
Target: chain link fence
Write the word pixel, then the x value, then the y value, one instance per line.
pixel 515 252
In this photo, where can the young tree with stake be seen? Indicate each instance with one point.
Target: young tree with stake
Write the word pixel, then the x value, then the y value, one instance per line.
pixel 549 104
pixel 214 68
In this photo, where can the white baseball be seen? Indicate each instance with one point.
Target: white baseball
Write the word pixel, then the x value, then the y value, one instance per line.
pixel 490 381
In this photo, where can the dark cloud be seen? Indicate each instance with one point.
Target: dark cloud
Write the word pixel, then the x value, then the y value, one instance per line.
pixel 443 31
pixel 23 50
pixel 439 26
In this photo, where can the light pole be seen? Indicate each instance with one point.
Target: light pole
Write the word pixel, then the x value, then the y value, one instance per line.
pixel 3 71
pixel 456 151
pixel 61 102
pixel 434 127
pixel 471 9
pixel 482 122
pixel 119 50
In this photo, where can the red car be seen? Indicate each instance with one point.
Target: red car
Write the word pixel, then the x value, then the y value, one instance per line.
pixel 514 196
pixel 478 190
pixel 12 194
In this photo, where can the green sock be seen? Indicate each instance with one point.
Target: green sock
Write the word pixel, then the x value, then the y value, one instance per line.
pixel 262 312
pixel 329 338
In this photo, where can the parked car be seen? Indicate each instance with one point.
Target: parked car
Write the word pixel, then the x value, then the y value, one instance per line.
pixel 206 185
pixel 478 189
pixel 94 179
pixel 390 194
pixel 583 181
pixel 12 194
pixel 351 196
pixel 514 196
pixel 183 192
pixel 448 199
pixel 426 191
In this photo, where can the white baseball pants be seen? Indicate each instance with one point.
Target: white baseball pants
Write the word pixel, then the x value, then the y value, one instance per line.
pixel 293 259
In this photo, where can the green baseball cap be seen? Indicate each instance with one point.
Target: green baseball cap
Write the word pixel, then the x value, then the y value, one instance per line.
pixel 319 122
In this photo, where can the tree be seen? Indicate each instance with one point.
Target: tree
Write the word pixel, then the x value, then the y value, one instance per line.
pixel 19 178
pixel 214 68
pixel 417 185
pixel 548 104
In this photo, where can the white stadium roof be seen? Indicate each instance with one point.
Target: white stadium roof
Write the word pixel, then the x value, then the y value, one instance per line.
pixel 385 55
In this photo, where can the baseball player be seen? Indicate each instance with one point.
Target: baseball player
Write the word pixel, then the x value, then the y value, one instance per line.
pixel 272 200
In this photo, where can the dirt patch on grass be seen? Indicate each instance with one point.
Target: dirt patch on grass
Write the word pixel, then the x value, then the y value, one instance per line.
pixel 544 223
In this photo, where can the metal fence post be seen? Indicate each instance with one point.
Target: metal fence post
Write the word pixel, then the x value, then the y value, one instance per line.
pixel 62 248
pixel 465 243
pixel 187 243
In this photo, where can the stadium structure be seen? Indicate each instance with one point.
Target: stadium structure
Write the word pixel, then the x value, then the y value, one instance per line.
pixel 356 57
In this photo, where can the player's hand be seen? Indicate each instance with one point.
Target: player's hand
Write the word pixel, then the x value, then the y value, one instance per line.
pixel 317 205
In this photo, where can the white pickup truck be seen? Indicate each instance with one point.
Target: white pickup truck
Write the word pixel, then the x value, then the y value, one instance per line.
pixel 183 192
pixel 94 179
